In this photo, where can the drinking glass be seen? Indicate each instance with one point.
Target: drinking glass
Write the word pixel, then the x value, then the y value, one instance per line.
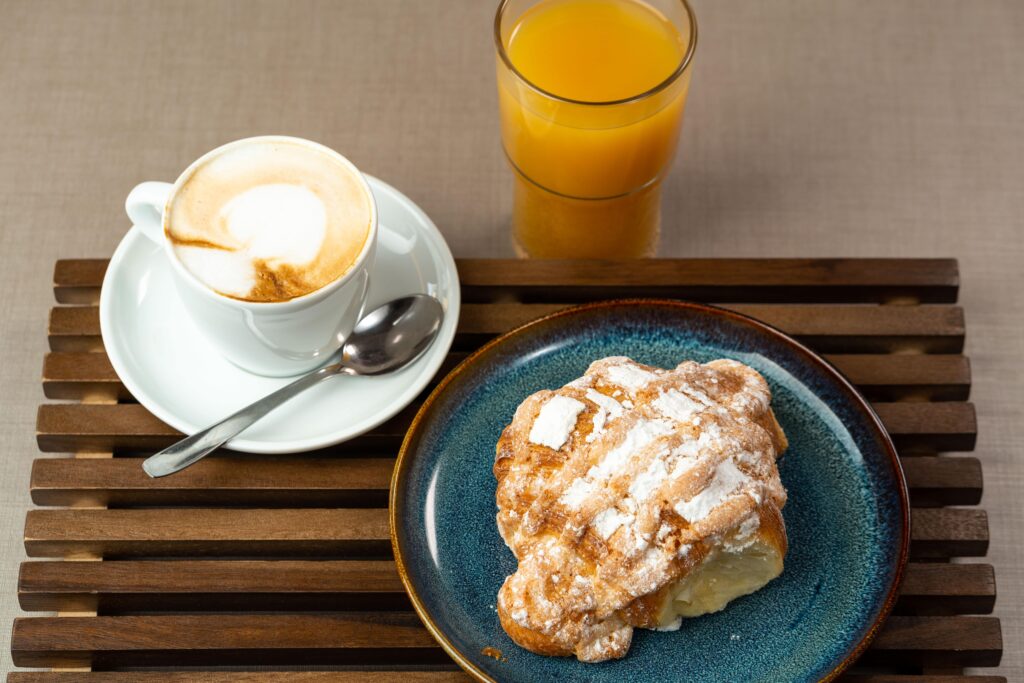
pixel 588 173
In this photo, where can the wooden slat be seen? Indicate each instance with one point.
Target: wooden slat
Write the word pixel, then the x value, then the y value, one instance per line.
pixel 382 636
pixel 828 329
pixel 815 321
pixel 373 677
pixel 344 482
pixel 211 585
pixel 206 532
pixel 943 588
pixel 939 641
pixel 73 427
pixel 74 328
pixel 883 377
pixel 948 532
pixel 927 427
pixel 69 427
pixel 71 376
pixel 404 675
pixel 943 481
pixel 833 280
pixel 935 532
pixel 290 481
pixel 890 377
pixel 270 585
pixel 485 280
pixel 78 281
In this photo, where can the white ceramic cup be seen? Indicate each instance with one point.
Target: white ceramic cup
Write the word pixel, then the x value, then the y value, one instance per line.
pixel 275 338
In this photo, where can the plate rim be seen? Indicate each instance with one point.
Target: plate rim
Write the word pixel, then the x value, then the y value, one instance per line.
pixel 403 458
pixel 445 262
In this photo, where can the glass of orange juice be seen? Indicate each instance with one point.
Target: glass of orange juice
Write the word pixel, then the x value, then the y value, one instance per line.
pixel 591 94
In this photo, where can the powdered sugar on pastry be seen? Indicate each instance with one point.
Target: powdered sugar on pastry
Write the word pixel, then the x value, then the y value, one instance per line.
pixel 642 433
pixel 608 409
pixel 555 422
pixel 630 375
pixel 609 502
pixel 677 405
pixel 728 478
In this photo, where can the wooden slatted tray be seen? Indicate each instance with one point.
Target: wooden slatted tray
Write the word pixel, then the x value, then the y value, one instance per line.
pixel 281 563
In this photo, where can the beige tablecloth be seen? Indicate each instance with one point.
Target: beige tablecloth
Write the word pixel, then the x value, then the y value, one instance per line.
pixel 848 127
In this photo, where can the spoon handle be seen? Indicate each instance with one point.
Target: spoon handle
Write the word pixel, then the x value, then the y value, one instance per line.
pixel 195 447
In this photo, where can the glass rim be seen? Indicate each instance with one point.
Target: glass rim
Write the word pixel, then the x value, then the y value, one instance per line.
pixel 669 80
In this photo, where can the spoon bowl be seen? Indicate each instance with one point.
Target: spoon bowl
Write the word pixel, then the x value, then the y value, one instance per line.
pixel 392 335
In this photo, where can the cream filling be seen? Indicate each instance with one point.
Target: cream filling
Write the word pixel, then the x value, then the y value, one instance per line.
pixel 723 577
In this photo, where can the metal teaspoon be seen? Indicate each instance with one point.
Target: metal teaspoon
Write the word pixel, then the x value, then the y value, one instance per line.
pixel 385 339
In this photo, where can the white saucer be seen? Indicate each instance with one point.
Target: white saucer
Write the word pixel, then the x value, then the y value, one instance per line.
pixel 172 371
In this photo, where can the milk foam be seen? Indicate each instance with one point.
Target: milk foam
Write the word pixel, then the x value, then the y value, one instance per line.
pixel 269 221
pixel 255 218
pixel 228 272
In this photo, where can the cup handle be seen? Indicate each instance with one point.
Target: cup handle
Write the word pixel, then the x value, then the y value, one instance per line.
pixel 145 207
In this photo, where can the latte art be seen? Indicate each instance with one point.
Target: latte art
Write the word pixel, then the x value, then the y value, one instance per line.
pixel 270 221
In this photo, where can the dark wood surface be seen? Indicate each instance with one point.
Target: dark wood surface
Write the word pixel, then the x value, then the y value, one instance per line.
pixel 287 563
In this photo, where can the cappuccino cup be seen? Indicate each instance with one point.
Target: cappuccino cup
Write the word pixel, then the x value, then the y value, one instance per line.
pixel 270 240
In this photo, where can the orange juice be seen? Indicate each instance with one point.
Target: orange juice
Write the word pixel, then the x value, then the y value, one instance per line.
pixel 591 109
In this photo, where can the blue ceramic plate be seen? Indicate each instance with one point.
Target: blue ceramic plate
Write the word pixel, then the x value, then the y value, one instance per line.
pixel 847 514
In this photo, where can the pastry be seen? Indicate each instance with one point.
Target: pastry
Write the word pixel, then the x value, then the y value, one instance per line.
pixel 633 497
